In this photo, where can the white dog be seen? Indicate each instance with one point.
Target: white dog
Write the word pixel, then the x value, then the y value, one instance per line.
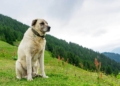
pixel 31 51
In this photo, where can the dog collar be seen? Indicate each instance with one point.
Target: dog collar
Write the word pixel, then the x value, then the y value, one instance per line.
pixel 36 33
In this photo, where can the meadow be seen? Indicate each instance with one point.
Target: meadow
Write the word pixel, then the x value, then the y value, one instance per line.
pixel 60 72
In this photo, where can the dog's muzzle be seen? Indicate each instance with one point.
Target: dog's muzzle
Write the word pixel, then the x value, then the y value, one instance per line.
pixel 48 28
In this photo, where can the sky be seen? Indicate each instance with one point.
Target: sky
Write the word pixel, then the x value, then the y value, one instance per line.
pixel 94 24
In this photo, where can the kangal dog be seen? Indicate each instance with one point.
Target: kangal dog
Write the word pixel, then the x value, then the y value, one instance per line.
pixel 31 51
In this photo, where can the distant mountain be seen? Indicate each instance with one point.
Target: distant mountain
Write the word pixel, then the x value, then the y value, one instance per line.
pixel 113 56
pixel 116 50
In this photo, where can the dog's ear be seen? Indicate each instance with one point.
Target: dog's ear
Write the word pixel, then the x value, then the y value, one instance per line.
pixel 34 22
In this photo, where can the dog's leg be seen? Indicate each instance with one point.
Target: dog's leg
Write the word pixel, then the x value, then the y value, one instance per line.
pixel 24 74
pixel 41 61
pixel 29 67
pixel 18 70
pixel 35 69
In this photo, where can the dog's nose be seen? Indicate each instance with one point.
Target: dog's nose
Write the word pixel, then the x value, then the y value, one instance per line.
pixel 49 28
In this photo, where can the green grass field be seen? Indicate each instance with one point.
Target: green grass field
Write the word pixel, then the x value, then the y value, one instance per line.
pixel 60 73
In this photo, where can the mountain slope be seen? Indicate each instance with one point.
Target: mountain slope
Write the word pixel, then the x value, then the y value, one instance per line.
pixel 12 30
pixel 113 56
pixel 78 55
pixel 59 72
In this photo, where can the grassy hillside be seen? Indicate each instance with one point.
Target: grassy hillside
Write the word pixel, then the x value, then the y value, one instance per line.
pixel 59 72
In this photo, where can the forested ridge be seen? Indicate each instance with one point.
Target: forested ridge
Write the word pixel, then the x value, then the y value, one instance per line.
pixel 12 30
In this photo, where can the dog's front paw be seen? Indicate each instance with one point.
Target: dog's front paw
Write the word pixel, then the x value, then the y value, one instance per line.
pixel 29 79
pixel 18 78
pixel 45 76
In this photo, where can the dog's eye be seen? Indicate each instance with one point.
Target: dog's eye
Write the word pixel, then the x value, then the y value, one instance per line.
pixel 42 23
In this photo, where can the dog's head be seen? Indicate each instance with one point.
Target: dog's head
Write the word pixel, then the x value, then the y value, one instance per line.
pixel 41 25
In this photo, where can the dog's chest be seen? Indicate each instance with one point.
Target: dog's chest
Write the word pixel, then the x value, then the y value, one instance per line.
pixel 36 56
pixel 38 49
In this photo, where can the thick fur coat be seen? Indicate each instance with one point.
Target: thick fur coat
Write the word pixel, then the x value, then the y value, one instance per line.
pixel 31 51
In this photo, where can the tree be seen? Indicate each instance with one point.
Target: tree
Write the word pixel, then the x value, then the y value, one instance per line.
pixel 108 70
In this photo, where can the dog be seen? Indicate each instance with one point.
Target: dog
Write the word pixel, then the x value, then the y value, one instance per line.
pixel 31 51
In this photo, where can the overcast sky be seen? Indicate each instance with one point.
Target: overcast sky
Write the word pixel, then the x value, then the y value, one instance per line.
pixel 94 24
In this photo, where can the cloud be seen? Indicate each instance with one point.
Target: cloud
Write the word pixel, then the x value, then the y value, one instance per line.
pixel 61 9
pixel 94 25
pixel 90 23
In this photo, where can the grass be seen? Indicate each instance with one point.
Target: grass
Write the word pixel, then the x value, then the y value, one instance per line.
pixel 59 74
